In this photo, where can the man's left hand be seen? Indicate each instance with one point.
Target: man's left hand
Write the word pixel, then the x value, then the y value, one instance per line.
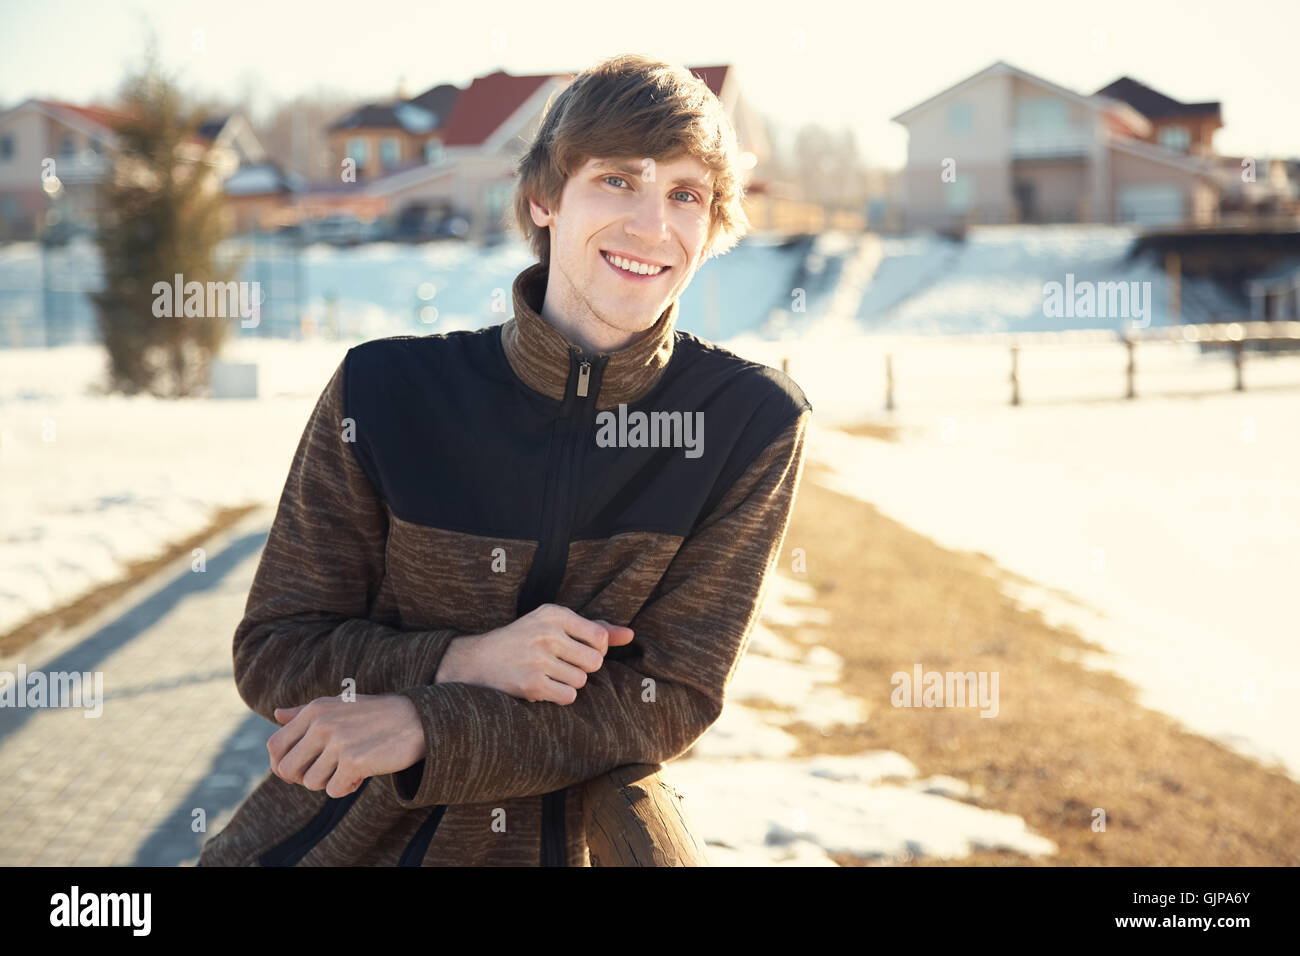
pixel 334 745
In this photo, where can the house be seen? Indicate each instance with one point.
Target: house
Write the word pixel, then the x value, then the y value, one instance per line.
pixel 486 132
pixel 1182 127
pixel 1004 145
pixel 53 155
pixel 380 138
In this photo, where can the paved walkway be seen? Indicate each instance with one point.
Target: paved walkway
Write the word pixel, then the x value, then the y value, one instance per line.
pixel 174 736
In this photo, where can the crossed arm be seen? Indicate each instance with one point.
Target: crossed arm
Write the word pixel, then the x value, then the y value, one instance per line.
pixel 537 705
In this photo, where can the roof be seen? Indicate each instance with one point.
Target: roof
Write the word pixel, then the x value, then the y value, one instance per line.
pixel 713 76
pixel 488 102
pixel 97 121
pixel 438 100
pixel 1158 154
pixel 399 114
pixel 1000 68
pixel 1153 103
pixel 103 118
pixel 259 179
pixel 211 127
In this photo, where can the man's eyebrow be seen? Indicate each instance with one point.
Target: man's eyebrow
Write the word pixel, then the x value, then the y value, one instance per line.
pixel 631 169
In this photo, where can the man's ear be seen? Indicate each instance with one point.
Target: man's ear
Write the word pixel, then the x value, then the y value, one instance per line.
pixel 542 215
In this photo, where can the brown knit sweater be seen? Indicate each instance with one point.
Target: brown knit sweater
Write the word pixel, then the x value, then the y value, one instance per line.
pixel 472 491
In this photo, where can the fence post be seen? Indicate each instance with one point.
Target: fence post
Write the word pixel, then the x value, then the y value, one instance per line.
pixel 632 817
pixel 889 382
pixel 1131 371
pixel 1237 364
pixel 1015 376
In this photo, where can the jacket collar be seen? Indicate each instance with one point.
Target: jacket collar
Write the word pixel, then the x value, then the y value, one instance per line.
pixel 539 353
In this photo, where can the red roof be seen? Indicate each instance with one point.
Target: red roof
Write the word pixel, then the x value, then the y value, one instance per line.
pixel 102 117
pixel 482 108
pixel 489 100
pixel 713 77
pixel 96 115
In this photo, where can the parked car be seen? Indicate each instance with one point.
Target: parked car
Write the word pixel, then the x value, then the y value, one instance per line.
pixel 421 222
pixel 339 229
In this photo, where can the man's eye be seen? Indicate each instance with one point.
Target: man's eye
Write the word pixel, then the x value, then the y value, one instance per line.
pixel 683 192
pixel 620 178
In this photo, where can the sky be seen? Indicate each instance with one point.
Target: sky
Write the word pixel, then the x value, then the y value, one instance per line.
pixel 837 64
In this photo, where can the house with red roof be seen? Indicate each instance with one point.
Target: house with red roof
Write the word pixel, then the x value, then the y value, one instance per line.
pixel 53 154
pixel 461 164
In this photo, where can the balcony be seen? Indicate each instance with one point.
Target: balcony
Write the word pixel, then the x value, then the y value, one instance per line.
pixel 1050 143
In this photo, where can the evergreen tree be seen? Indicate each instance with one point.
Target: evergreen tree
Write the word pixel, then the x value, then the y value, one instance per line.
pixel 161 214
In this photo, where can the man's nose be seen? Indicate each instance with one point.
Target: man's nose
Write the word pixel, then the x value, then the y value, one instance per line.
pixel 650 221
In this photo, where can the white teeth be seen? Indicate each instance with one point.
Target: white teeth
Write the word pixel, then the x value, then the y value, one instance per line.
pixel 627 265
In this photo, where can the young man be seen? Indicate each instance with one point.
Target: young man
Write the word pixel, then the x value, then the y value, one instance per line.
pixel 508 561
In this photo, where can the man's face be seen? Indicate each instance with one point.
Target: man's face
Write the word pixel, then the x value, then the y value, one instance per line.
pixel 636 209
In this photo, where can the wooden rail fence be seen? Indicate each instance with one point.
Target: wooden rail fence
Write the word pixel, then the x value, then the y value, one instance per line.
pixel 1233 334
pixel 634 818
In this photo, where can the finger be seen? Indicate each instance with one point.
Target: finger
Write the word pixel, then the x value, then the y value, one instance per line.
pixel 618 634
pixel 558 670
pixel 559 693
pixel 284 739
pixel 321 772
pixel 569 651
pixel 285 714
pixel 297 760
pixel 580 628
pixel 340 786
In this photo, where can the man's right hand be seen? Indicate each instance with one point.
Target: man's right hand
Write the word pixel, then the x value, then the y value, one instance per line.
pixel 545 655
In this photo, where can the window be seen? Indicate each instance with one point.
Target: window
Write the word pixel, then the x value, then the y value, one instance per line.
pixel 1042 113
pixel 68 147
pixel 390 151
pixel 7 146
pixel 433 152
pixel 1175 137
pixel 961 118
pixel 359 151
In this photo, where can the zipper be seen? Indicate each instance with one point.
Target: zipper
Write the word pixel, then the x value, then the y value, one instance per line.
pixel 418 846
pixel 577 416
pixel 290 851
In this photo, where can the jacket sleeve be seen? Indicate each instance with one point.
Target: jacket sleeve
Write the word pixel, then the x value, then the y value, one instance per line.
pixel 305 627
pixel 483 744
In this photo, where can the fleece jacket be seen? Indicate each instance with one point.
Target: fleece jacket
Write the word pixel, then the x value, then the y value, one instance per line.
pixel 446 485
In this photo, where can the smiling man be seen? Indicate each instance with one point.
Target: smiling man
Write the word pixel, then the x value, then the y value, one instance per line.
pixel 468 605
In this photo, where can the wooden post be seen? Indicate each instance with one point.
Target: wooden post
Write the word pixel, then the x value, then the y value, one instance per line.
pixel 1237 364
pixel 634 818
pixel 1131 372
pixel 1174 272
pixel 889 383
pixel 785 365
pixel 1015 376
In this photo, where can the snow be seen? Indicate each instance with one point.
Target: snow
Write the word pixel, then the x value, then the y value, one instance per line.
pixel 754 805
pixel 1162 528
pixel 993 281
pixel 91 483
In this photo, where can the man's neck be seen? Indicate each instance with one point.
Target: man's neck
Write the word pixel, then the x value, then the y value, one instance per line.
pixel 570 315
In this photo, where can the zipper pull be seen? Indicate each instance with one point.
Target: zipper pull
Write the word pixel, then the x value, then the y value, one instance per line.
pixel 584 377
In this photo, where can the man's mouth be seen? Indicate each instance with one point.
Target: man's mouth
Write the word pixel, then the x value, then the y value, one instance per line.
pixel 633 269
